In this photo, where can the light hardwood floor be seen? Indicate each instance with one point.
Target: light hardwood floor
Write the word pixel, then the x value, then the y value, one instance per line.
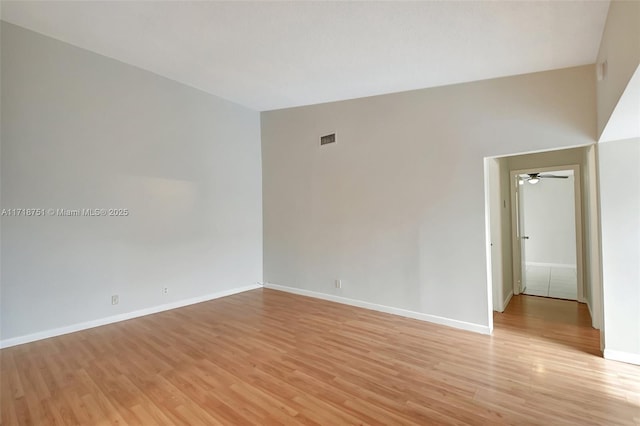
pixel 265 357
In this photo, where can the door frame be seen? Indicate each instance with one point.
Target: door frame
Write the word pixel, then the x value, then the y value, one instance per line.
pixel 515 237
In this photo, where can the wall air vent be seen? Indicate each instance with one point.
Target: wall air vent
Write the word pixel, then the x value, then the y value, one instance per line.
pixel 327 139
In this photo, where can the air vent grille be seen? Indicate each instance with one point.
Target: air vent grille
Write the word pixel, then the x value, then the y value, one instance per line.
pixel 327 139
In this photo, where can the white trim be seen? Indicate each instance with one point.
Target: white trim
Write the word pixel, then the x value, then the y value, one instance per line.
pixel 594 249
pixel 477 328
pixel 516 248
pixel 14 341
pixel 590 313
pixel 506 300
pixel 489 253
pixel 553 265
pixel 627 357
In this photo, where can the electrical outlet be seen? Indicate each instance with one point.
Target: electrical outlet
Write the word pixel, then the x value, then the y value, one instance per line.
pixel 115 299
pixel 338 283
pixel 165 290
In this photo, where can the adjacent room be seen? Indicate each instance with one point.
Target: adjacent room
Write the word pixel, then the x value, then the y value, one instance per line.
pixel 548 228
pixel 328 213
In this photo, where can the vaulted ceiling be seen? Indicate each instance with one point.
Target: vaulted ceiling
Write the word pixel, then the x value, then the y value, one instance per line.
pixel 270 55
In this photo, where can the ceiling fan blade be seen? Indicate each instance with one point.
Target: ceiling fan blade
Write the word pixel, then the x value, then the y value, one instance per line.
pixel 552 177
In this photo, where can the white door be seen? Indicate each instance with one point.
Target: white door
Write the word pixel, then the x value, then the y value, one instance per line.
pixel 521 236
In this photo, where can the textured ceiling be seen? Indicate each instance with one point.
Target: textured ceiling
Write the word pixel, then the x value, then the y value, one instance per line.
pixel 270 55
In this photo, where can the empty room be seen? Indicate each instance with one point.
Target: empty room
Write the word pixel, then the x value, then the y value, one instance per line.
pixel 320 213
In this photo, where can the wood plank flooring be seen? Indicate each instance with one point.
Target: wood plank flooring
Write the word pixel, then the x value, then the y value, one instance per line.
pixel 265 358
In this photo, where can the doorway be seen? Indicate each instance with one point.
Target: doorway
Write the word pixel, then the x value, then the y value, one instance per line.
pixel 547 219
pixel 546 228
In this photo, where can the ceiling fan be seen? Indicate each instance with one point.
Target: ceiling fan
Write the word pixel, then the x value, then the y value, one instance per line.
pixel 534 178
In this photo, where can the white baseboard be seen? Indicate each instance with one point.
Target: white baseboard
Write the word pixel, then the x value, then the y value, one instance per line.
pixel 622 356
pixel 506 300
pixel 14 341
pixel 477 328
pixel 553 265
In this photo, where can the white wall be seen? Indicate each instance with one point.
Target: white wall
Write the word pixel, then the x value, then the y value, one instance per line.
pixel 396 207
pixel 549 220
pixel 83 131
pixel 620 220
pixel 547 159
pixel 620 48
pixel 618 165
